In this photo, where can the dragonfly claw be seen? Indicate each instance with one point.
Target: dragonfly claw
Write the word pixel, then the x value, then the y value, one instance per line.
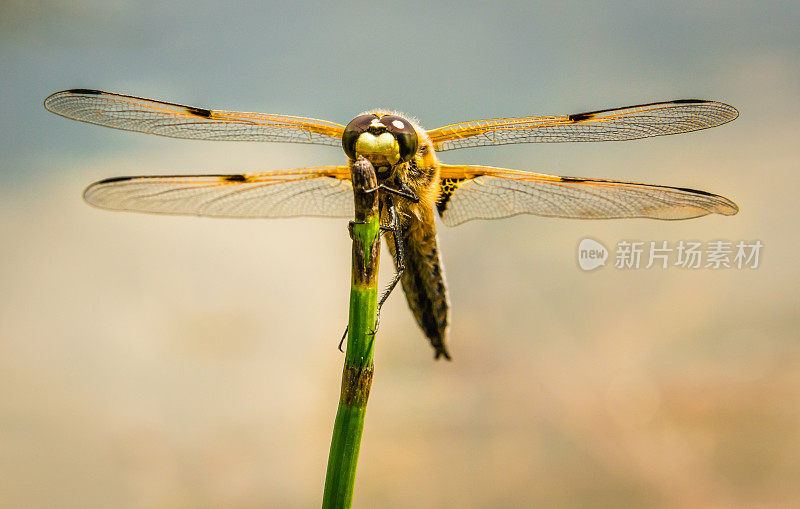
pixel 341 342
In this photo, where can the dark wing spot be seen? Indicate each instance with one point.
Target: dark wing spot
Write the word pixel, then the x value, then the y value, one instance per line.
pixel 448 187
pixel 115 179
pixel 580 117
pixel 199 112
pixel 235 178
pixel 695 191
pixel 85 91
pixel 686 189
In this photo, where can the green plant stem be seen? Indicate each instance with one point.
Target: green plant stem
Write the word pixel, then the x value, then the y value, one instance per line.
pixel 358 367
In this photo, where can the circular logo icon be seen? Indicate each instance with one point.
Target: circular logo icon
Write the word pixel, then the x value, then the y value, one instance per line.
pixel 591 254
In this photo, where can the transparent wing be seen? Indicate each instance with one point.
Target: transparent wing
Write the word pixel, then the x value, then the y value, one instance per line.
pixel 323 191
pixel 628 123
pixel 178 121
pixel 482 192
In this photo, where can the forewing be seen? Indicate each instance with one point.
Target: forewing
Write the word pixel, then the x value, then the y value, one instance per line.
pixel 482 192
pixel 323 191
pixel 178 121
pixel 628 123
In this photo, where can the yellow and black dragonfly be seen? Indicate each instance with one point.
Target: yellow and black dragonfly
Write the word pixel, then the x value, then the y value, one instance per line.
pixel 413 185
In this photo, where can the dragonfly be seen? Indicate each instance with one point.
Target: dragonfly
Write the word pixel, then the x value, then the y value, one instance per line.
pixel 414 186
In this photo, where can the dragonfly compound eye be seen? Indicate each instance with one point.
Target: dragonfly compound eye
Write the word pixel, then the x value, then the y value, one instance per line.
pixel 404 133
pixel 354 129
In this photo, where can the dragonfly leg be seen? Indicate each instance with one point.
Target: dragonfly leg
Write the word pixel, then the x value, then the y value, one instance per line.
pixel 347 328
pixel 394 227
pixel 404 191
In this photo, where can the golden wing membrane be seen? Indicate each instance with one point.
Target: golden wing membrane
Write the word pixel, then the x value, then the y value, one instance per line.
pixel 312 192
pixel 178 121
pixel 628 123
pixel 482 192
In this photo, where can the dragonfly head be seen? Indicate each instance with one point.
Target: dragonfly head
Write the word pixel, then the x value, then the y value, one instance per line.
pixel 384 140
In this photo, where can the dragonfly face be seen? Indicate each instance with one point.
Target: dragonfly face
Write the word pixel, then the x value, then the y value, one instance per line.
pixel 405 158
pixel 385 140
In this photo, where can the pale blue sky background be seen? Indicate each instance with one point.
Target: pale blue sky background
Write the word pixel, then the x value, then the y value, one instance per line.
pixel 441 62
pixel 157 361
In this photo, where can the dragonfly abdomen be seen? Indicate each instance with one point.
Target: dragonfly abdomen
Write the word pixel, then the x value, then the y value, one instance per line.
pixel 423 279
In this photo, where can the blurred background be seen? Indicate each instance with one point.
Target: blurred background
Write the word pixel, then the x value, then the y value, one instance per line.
pixel 153 361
